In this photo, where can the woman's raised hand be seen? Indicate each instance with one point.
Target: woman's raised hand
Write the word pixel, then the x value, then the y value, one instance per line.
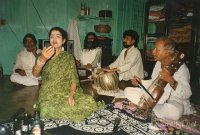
pixel 48 52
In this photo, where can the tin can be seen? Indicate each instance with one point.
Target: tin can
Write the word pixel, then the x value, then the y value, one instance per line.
pixel 87 11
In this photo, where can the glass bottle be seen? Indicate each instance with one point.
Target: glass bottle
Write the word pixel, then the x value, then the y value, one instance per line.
pixel 37 126
pixel 17 127
pixel 87 11
pixel 82 11
pixel 26 124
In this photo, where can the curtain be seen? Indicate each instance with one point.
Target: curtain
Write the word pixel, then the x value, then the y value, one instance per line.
pixel 131 16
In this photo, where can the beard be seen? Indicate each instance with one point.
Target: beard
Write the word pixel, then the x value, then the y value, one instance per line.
pixel 125 45
pixel 91 45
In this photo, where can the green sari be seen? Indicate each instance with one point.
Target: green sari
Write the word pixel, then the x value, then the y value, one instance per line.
pixel 57 76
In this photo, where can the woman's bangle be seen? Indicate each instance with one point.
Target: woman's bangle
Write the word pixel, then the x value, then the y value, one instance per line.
pixel 36 68
pixel 43 58
pixel 40 61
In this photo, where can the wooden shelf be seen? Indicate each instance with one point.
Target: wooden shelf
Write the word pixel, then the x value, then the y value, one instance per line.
pixel 157 21
pixel 178 21
pixel 85 17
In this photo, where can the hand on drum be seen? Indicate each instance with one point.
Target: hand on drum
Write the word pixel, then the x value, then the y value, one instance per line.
pixel 78 63
pixel 103 70
pixel 111 70
pixel 135 81
pixel 88 66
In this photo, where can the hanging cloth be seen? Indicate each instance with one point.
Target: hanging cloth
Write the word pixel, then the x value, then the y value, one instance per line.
pixel 74 35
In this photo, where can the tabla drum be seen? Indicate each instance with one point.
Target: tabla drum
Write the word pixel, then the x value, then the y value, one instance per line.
pixel 107 81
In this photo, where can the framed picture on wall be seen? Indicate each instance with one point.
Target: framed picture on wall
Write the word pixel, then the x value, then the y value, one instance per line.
pixel 69 46
pixel 43 43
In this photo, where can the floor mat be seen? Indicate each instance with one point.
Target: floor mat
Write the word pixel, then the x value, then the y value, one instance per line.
pixel 100 122
pixel 67 130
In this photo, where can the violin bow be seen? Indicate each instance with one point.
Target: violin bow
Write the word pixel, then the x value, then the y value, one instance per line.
pixel 142 86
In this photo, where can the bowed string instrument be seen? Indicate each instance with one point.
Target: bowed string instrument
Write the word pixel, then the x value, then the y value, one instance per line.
pixel 156 89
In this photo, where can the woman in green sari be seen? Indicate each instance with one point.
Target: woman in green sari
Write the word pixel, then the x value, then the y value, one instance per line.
pixel 60 95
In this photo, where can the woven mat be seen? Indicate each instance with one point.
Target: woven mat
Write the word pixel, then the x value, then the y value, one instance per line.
pixel 186 124
pixel 102 122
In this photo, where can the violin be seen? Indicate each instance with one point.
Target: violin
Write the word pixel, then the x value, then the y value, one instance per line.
pixel 156 89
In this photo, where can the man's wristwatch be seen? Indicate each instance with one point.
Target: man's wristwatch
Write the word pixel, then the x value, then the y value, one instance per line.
pixel 174 84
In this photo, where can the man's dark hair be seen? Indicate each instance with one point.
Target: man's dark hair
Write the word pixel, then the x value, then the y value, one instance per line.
pixel 96 44
pixel 133 34
pixel 30 36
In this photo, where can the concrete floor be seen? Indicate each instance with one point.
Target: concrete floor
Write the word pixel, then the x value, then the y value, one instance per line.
pixel 13 97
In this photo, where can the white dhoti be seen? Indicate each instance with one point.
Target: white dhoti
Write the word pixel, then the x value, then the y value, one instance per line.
pixel 24 80
pixel 173 103
pixel 169 110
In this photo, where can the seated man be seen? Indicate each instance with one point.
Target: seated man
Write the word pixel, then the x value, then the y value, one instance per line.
pixel 129 62
pixel 25 60
pixel 91 54
pixel 175 101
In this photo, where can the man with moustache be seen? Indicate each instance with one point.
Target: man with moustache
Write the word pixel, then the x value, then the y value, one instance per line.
pixel 91 54
pixel 129 62
pixel 175 101
pixel 25 60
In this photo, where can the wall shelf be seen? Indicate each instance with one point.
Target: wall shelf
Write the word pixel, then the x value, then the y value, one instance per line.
pixel 85 17
pixel 175 19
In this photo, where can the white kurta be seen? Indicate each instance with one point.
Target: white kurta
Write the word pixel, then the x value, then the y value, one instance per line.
pixel 25 60
pixel 130 66
pixel 92 57
pixel 173 103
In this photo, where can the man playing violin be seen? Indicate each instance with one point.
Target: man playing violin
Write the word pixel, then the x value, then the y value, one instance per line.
pixel 175 100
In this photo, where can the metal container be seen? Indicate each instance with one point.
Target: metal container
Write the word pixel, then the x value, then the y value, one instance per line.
pixel 105 13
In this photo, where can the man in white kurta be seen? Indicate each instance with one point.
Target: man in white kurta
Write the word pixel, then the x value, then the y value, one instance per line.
pixel 25 60
pixel 129 62
pixel 91 54
pixel 130 65
pixel 175 100
pixel 172 104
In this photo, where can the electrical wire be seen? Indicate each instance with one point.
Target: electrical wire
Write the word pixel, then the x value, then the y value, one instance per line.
pixel 39 15
pixel 14 33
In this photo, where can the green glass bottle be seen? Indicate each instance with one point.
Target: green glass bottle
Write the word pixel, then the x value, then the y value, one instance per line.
pixel 26 124
pixel 38 125
pixel 17 127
